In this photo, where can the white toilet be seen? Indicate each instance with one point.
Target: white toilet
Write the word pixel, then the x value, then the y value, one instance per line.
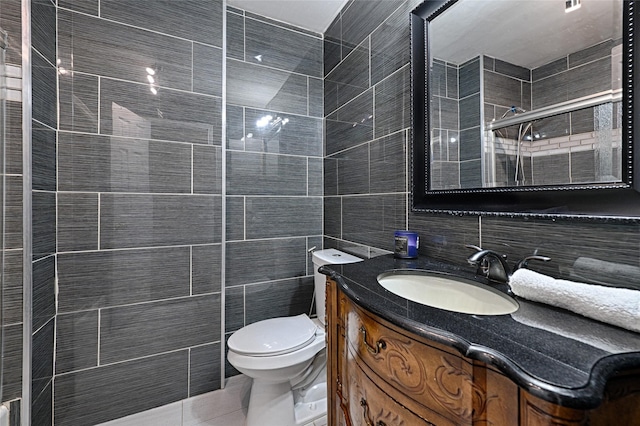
pixel 286 359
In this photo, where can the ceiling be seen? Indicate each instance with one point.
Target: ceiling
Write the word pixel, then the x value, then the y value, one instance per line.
pixel 313 15
pixel 528 33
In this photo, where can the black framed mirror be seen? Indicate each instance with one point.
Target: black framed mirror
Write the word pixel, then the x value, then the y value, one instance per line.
pixel 511 118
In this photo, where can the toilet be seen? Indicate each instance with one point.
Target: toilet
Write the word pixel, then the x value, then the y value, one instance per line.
pixel 286 359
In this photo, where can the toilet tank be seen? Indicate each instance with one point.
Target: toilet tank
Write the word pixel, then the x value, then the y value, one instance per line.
pixel 327 257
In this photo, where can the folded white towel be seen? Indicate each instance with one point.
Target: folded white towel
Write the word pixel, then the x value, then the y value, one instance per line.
pixel 617 306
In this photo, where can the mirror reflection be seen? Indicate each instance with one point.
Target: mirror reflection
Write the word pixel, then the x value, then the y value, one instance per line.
pixel 527 94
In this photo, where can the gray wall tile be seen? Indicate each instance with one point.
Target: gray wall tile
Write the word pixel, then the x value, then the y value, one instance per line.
pixel 551 169
pixel 348 79
pixel 388 158
pixel 150 328
pixel 361 17
pixel 470 146
pixel 550 69
pixel 125 53
pixel 285 133
pixel 469 75
pixel 98 163
pixel 392 103
pixel 190 19
pixel 333 216
pixel 43 223
pixel 207 69
pixel 444 237
pixel 316 96
pixel 206 262
pixel 155 220
pixel 204 369
pixel 13 212
pixel 12 288
pixel 278 299
pixel 235 36
pixel 207 169
pixel 235 218
pixel 512 70
pixel 353 170
pixel 86 6
pixel 101 394
pixel 77 221
pixel 279 258
pixel 12 362
pixel 78 101
pixel 43 25
pixel 332 54
pixel 277 47
pixel 598 51
pixel 234 308
pixel 502 90
pixel 330 166
pixel 314 176
pixel 109 278
pixel 13 137
pixel 76 341
pixel 265 174
pixel 128 109
pixel 42 358
pixel 350 125
pixel 44 288
pixel 371 220
pixel 268 217
pixel 235 128
pixel 44 86
pixel 390 45
pixel 41 408
pixel 261 87
pixel 43 158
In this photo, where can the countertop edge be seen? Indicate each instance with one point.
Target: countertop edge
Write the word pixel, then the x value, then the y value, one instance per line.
pixel 587 397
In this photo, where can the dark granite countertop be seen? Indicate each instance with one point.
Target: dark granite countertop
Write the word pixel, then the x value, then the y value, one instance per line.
pixel 554 354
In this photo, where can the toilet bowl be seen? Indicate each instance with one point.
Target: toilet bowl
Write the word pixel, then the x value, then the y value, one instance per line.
pixel 286 359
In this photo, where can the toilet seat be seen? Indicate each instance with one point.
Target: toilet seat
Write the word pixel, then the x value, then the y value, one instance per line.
pixel 275 336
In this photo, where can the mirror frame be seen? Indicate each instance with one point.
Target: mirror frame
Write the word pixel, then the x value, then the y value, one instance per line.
pixel 607 201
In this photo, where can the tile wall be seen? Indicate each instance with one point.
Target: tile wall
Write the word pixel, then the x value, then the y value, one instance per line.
pixel 129 196
pixel 44 138
pixel 367 119
pixel 274 168
pixel 360 217
pixel 12 250
pixel 139 206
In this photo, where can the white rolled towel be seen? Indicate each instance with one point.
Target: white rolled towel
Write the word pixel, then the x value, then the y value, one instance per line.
pixel 617 306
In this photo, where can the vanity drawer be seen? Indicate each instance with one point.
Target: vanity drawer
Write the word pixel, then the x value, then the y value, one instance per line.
pixel 430 379
pixel 371 406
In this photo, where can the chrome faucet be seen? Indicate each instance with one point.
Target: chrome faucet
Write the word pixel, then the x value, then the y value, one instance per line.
pixel 494 266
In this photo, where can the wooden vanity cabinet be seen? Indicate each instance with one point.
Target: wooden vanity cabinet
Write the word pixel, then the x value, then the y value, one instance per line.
pixel 382 375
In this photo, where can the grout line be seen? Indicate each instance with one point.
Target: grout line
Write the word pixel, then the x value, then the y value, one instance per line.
pixel 99 223
pixel 190 270
pixel 98 351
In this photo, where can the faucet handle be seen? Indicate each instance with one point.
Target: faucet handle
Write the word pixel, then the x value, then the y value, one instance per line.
pixel 471 246
pixel 524 262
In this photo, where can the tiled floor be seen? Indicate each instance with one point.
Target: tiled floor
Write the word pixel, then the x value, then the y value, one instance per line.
pixel 224 407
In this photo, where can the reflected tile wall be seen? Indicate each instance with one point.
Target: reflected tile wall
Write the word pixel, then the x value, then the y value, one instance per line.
pixel 354 223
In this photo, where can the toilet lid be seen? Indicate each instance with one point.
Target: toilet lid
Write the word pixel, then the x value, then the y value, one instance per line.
pixel 274 336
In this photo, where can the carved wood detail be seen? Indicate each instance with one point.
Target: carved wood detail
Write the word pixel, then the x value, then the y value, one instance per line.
pixel 412 381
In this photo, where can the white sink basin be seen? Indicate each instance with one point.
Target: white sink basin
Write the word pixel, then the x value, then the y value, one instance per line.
pixel 448 292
